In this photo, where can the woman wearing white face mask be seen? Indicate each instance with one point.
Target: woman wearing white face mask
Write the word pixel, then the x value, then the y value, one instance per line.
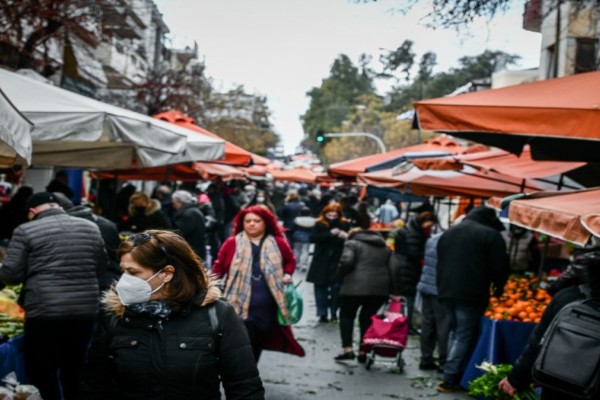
pixel 261 198
pixel 164 333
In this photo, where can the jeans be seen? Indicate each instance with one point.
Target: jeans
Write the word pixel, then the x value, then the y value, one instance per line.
pixel 326 298
pixel 464 328
pixel 435 329
pixel 54 353
pixel 301 251
pixel 349 305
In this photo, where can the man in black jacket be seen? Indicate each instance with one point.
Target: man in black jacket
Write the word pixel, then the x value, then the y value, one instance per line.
pixel 472 259
pixel 58 258
pixel 189 221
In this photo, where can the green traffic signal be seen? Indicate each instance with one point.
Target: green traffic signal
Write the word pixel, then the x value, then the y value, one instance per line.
pixel 320 136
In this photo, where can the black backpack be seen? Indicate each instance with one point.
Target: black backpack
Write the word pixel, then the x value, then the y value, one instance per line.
pixel 569 357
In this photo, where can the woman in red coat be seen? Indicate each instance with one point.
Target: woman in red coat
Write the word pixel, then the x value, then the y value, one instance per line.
pixel 257 262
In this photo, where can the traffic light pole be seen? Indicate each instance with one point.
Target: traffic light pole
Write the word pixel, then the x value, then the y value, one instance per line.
pixel 361 134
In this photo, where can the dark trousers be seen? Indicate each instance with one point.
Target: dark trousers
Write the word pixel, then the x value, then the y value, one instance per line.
pixel 435 329
pixel 327 298
pixel 257 338
pixel 410 309
pixel 54 352
pixel 349 306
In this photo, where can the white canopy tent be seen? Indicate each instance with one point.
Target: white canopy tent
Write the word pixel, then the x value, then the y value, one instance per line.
pixel 15 135
pixel 71 130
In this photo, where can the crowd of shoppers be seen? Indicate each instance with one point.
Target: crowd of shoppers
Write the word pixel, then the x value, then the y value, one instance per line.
pixel 149 295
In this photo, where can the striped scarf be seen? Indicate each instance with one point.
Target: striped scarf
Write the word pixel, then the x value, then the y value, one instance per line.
pixel 239 285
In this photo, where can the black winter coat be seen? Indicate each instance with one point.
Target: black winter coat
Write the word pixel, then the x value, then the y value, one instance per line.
pixel 327 253
pixel 409 246
pixel 59 259
pixel 179 357
pixel 471 258
pixel 190 224
pixel 364 265
pixel 151 218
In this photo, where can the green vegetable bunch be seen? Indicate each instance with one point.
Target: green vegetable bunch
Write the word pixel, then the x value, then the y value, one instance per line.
pixel 487 384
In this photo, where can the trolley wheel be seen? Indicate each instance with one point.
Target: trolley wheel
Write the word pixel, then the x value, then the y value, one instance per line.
pixel 400 362
pixel 370 360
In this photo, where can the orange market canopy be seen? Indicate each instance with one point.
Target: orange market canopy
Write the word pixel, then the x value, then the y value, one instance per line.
pixel 234 154
pixel 352 168
pixel 559 118
pixel 177 172
pixel 501 161
pixel 450 183
pixel 571 216
pixel 298 175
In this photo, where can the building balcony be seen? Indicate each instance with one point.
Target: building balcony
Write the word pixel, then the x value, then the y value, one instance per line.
pixel 122 20
pixel 532 16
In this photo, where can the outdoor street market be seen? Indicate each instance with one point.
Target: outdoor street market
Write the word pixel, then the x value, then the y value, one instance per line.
pixel 159 241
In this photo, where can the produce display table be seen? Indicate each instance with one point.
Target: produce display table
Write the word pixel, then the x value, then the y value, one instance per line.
pixel 11 358
pixel 500 342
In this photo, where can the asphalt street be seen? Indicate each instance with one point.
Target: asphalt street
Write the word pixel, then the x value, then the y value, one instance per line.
pixel 318 376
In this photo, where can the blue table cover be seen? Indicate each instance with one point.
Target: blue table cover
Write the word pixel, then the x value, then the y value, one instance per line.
pixel 11 358
pixel 500 342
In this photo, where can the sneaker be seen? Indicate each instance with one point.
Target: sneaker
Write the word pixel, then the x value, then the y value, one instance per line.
pixel 323 319
pixel 444 387
pixel 428 366
pixel 345 356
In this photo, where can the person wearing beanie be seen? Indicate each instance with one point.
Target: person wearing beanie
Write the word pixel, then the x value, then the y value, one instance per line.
pixel 189 221
pixel 58 259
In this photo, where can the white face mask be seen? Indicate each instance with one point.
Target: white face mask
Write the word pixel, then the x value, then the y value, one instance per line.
pixel 260 199
pixel 134 290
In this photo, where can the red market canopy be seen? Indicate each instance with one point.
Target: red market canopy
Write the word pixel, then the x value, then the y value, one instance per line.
pixel 559 118
pixel 352 168
pixel 234 155
pixel 570 216
pixel 451 183
pixel 501 161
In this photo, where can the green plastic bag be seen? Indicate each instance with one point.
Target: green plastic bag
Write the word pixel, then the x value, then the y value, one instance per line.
pixel 295 305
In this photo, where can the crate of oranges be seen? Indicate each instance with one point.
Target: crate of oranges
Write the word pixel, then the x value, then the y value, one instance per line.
pixel 522 301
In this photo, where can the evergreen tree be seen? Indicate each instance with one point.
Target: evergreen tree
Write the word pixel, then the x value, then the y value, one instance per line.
pixel 333 101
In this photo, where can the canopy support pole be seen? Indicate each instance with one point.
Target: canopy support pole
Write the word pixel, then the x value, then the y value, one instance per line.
pixel 543 258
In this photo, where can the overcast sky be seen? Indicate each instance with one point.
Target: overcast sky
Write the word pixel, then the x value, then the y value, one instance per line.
pixel 283 48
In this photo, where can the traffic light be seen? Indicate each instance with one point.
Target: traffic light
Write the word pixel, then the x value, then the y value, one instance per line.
pixel 320 136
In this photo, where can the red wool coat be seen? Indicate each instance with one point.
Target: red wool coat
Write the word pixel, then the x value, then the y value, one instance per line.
pixel 279 338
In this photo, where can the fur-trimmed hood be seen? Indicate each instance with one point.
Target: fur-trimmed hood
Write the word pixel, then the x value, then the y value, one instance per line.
pixel 152 207
pixel 112 304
